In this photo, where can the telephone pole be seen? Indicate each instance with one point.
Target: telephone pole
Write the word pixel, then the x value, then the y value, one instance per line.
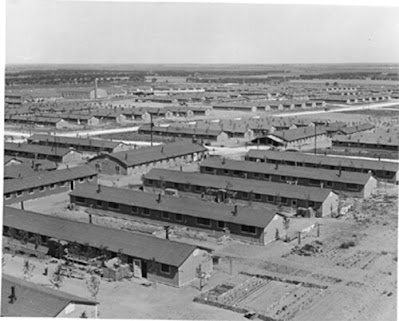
pixel 315 138
pixel 151 126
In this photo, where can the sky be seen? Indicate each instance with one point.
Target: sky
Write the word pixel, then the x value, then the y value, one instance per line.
pixel 73 32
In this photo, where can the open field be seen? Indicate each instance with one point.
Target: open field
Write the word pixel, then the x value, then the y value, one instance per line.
pixel 352 82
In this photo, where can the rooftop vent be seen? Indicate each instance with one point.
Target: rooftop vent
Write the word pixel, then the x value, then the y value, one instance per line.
pixel 12 297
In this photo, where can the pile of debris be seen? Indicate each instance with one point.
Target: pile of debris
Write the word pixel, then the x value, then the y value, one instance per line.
pixel 308 249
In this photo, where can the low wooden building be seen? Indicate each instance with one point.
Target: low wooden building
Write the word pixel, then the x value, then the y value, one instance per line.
pixel 54 154
pixel 139 161
pixel 42 184
pixel 79 144
pixel 322 201
pixel 234 106
pixel 203 134
pixel 56 122
pixel 303 138
pixel 164 261
pixel 37 164
pixel 23 299
pixel 347 183
pixel 368 141
pixel 26 169
pixel 349 130
pixel 242 222
pixel 84 93
pixel 382 170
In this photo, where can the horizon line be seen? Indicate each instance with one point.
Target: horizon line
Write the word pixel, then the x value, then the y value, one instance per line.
pixel 204 63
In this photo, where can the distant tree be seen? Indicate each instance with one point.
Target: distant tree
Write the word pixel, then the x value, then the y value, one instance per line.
pixel 27 269
pixel 327 84
pixel 335 84
pixel 83 315
pixel 93 285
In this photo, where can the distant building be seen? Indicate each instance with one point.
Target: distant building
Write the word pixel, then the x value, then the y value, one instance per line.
pixel 342 182
pixel 387 171
pixel 139 161
pixel 44 183
pixel 79 144
pixel 59 155
pixel 303 138
pixel 34 120
pixel 84 93
pixel 203 134
pixel 322 201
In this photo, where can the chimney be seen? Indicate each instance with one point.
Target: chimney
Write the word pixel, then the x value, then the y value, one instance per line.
pixel 98 188
pixel 223 160
pixel 162 149
pixel 12 297
pixel 276 167
pixel 159 198
pixel 125 156
pixel 339 172
pixel 235 211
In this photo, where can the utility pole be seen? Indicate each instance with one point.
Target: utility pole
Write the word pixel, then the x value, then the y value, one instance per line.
pixel 315 138
pixel 151 126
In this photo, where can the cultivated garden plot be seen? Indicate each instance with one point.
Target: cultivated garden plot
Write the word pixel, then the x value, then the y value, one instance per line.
pixel 270 298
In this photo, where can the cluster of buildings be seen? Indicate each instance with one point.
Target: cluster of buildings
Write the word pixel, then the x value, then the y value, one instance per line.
pixel 248 200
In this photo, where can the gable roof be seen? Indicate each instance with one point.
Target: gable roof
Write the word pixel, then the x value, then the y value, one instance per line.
pixel 186 206
pixel 45 164
pixel 298 133
pixel 8 159
pixel 45 178
pixel 34 300
pixel 133 244
pixel 284 170
pixel 146 155
pixel 356 129
pixel 190 130
pixel 368 138
pixel 324 160
pixel 19 171
pixel 74 141
pixel 240 184
pixel 37 149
